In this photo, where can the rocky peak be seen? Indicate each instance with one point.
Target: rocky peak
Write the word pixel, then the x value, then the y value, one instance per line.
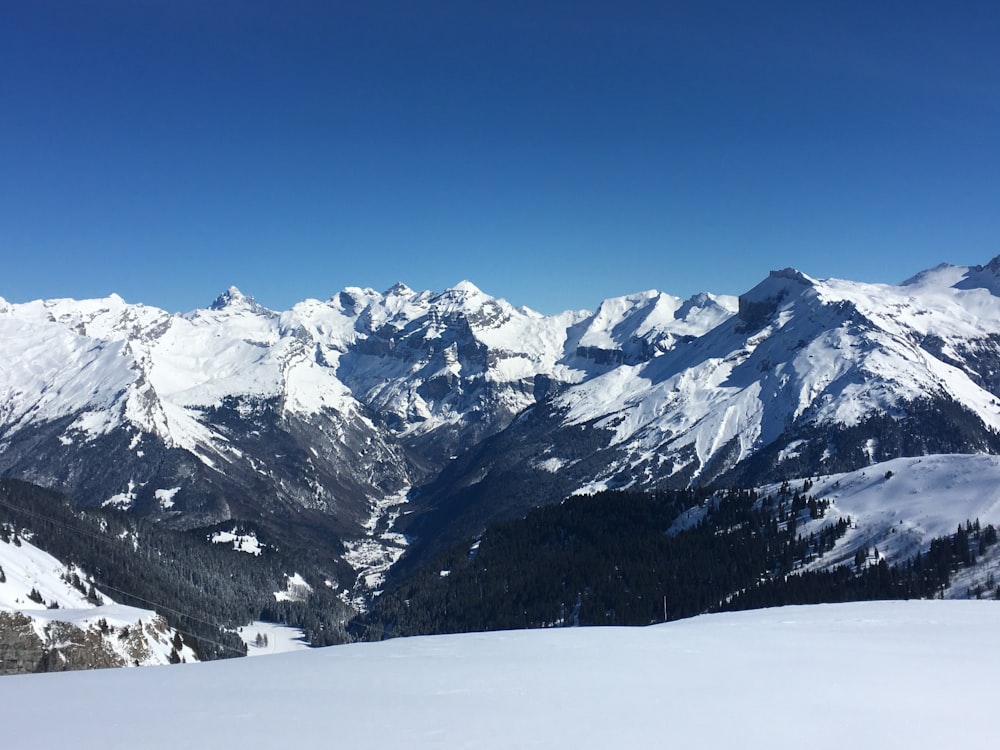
pixel 234 300
pixel 757 305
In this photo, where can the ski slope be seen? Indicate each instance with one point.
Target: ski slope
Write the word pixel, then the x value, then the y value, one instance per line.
pixel 879 674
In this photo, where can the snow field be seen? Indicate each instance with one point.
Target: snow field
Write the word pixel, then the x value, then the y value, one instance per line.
pixel 881 674
pixel 25 568
pixel 923 498
pixel 275 638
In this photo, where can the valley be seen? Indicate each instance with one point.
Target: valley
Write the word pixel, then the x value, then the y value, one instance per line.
pixel 353 443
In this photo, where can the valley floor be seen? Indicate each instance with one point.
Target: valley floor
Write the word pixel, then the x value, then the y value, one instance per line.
pixel 881 674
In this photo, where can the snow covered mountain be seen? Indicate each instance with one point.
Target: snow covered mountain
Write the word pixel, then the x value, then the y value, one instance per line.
pixel 320 413
pixel 340 423
pixel 804 354
pixel 808 377
pixel 52 619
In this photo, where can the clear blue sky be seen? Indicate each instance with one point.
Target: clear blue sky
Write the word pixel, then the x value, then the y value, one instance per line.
pixel 555 153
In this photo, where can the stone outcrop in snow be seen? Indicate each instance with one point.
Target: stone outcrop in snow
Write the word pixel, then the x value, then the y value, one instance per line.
pixel 50 622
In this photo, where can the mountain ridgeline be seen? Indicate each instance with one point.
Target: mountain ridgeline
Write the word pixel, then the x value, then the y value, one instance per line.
pixel 360 438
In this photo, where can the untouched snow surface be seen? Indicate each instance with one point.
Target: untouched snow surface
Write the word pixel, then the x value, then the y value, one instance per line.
pixel 276 638
pixel 901 505
pixel 879 674
pixel 898 506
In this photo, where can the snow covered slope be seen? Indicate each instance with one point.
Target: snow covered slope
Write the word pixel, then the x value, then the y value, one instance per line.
pixel 898 507
pixel 269 639
pixel 884 674
pixel 802 360
pixel 809 377
pixel 51 619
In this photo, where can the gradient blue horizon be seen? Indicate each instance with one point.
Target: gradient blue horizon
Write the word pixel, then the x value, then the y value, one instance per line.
pixel 554 153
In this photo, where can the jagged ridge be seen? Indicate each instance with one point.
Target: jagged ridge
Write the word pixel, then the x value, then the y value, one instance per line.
pixel 325 416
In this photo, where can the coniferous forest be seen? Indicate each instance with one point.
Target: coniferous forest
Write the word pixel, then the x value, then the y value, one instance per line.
pixel 612 559
pixel 204 590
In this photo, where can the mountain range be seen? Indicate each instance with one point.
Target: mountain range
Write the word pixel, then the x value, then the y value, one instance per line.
pixel 369 425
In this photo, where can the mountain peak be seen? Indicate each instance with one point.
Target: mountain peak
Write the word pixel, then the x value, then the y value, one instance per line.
pixel 232 296
pixel 465 287
pixel 234 299
pixel 982 277
pixel 757 305
pixel 399 289
pixel 792 274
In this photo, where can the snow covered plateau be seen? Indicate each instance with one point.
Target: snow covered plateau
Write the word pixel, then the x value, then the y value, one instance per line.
pixel 884 674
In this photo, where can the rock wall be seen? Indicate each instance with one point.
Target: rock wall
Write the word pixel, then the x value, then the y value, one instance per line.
pixel 65 647
pixel 21 650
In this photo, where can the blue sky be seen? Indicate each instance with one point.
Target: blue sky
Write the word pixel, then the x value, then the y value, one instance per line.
pixel 555 153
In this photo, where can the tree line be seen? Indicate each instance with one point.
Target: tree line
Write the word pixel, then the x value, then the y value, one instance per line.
pixel 616 558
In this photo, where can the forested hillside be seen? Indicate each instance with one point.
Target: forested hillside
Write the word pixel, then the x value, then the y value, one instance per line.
pixel 202 588
pixel 631 558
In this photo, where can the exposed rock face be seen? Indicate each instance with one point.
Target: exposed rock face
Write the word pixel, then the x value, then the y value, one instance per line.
pixel 21 650
pixel 68 648
pixel 64 647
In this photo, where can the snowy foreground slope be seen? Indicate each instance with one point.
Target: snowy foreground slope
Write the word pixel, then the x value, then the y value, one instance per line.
pixel 882 674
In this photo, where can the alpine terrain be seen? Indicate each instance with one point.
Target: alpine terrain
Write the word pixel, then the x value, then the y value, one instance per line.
pixel 337 447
